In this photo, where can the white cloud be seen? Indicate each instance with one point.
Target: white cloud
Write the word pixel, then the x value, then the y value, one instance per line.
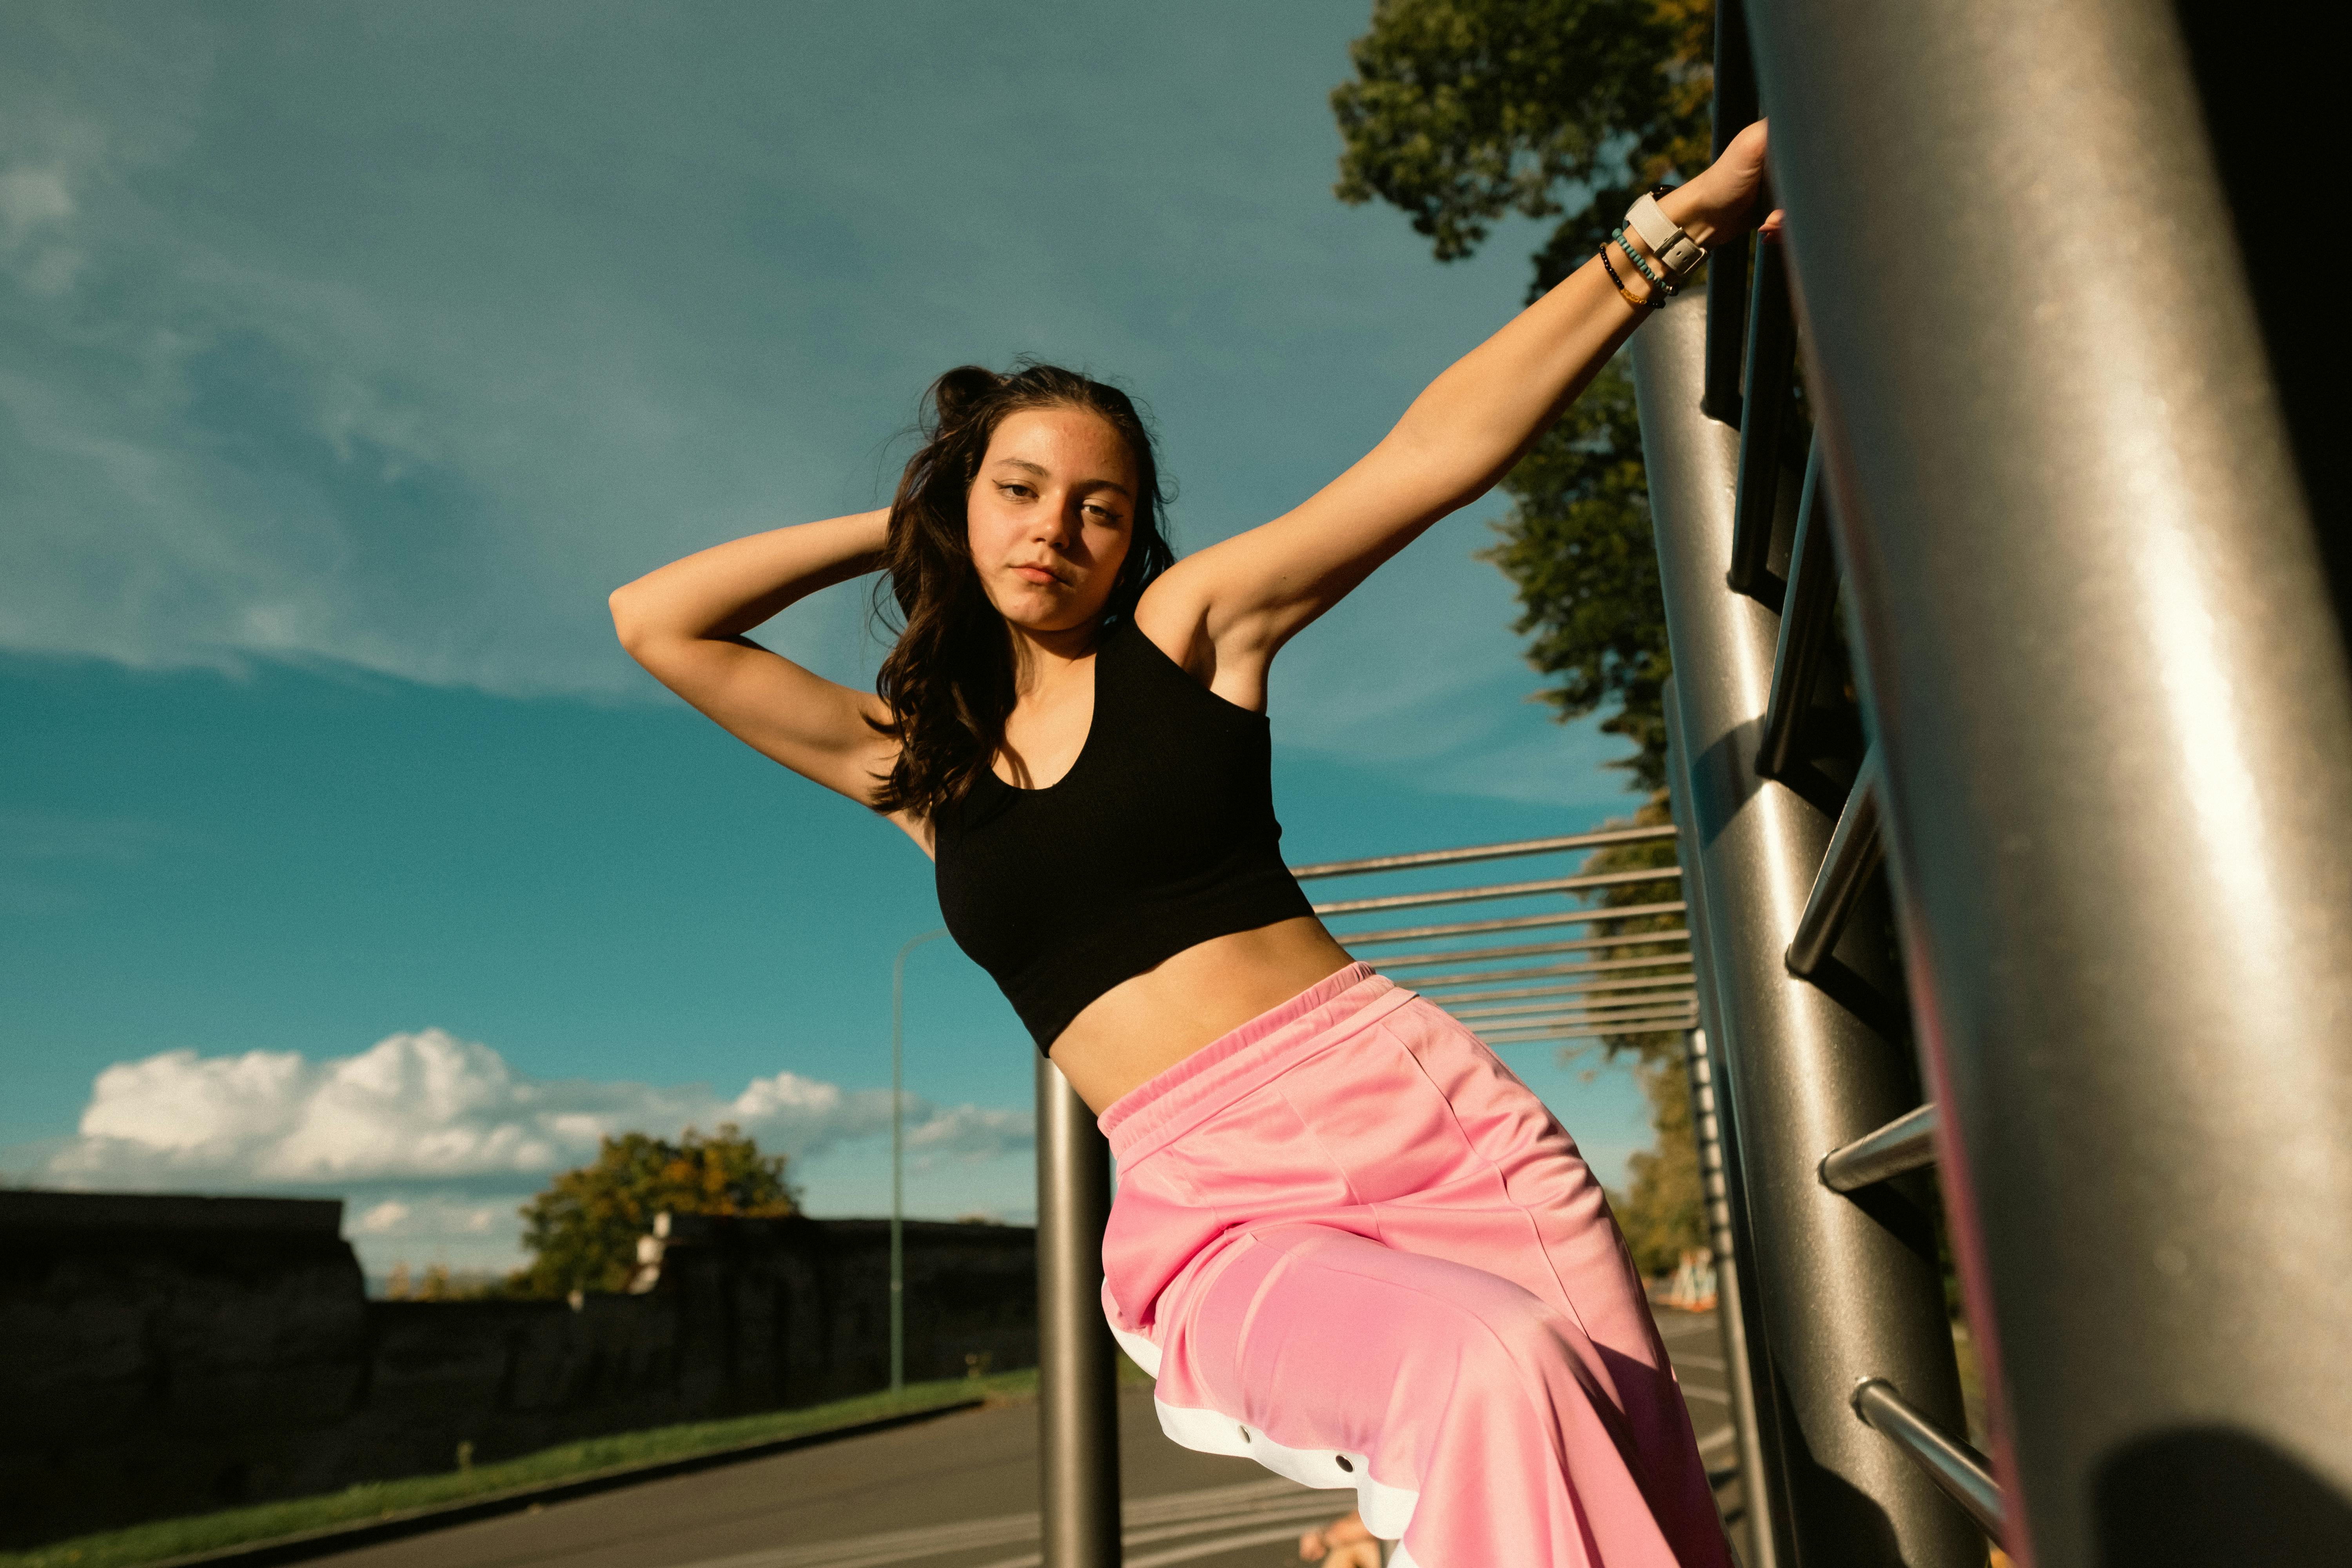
pixel 428 1109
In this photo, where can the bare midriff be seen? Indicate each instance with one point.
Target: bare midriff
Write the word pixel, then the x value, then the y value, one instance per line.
pixel 1141 1028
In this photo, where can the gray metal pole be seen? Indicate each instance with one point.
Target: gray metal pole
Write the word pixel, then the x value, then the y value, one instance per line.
pixel 1764 1437
pixel 1847 1294
pixel 1756 1477
pixel 1078 1395
pixel 2117 733
pixel 897 1161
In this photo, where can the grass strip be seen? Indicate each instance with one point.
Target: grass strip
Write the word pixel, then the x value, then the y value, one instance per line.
pixel 368 1502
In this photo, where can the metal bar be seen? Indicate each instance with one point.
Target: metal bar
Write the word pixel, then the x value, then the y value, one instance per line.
pixel 1739 1376
pixel 1662 1020
pixel 1512 992
pixel 1545 971
pixel 1077 1410
pixel 1842 1295
pixel 1652 996
pixel 2098 649
pixel 1805 615
pixel 1510 922
pixel 1527 950
pixel 1679 959
pixel 1964 1474
pixel 1493 890
pixel 1481 852
pixel 1771 358
pixel 1757 1410
pixel 1727 268
pixel 1855 851
pixel 1904 1144
pixel 1592 1028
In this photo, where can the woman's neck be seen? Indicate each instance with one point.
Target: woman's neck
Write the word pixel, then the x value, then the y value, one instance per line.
pixel 1041 658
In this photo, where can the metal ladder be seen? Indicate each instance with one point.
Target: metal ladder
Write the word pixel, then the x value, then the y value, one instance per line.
pixel 2107 767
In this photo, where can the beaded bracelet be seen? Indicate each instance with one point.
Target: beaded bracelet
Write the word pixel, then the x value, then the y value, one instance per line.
pixel 1630 298
pixel 1642 266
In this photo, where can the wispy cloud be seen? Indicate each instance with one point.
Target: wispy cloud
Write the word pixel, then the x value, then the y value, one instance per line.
pixel 285 379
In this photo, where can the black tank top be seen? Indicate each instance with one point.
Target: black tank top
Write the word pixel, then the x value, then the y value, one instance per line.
pixel 1160 835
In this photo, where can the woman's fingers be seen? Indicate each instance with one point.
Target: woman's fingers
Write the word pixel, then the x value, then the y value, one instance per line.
pixel 1342 1543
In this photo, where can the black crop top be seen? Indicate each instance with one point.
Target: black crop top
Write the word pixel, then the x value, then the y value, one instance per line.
pixel 1160 835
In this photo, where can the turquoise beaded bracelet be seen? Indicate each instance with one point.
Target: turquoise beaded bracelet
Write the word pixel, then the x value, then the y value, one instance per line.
pixel 1635 257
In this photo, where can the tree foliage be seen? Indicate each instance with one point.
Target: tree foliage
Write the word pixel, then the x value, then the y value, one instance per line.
pixel 1464 109
pixel 1577 545
pixel 582 1230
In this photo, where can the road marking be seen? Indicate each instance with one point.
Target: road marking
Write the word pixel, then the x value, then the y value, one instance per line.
pixel 1716 1438
pixel 1259 1503
pixel 1709 1395
pixel 1210 1548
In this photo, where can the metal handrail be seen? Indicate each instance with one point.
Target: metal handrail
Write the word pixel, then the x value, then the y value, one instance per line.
pixel 1515 993
pixel 1532 949
pixel 1480 852
pixel 1499 890
pixel 1522 923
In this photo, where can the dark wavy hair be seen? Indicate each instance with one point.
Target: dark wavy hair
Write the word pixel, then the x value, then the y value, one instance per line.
pixel 948 678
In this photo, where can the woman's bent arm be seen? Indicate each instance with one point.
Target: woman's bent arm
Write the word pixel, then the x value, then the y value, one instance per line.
pixel 686 622
pixel 1243 597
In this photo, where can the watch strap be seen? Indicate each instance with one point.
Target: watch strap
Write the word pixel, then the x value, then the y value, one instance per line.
pixel 1677 252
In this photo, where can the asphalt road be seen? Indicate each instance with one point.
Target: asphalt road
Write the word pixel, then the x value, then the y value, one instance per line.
pixel 957 1493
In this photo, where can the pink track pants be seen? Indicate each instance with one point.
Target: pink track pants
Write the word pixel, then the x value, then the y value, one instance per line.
pixel 1350 1245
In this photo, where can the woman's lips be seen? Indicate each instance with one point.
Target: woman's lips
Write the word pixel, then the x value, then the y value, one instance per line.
pixel 1035 574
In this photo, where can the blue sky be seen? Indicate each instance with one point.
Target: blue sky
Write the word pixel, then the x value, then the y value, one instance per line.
pixel 349 354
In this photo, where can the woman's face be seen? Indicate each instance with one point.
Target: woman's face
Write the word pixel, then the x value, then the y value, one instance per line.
pixel 1051 516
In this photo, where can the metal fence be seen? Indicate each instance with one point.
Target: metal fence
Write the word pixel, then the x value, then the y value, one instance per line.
pixel 1513 971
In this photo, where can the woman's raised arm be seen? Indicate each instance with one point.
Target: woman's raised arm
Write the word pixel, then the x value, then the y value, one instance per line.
pixel 1230 607
pixel 686 623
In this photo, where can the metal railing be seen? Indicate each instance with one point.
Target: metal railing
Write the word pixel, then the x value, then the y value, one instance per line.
pixel 1556 987
pixel 2103 770
pixel 1624 982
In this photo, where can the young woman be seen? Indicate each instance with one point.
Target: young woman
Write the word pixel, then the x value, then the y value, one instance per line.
pixel 1348 1242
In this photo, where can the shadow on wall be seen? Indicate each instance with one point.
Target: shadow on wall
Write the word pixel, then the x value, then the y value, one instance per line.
pixel 161 1356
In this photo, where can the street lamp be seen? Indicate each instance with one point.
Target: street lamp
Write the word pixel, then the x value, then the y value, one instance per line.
pixel 897 1165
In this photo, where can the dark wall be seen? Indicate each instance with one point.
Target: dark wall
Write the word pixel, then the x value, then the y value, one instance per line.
pixel 168 1355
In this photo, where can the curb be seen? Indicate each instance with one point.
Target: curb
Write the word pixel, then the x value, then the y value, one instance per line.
pixel 335 1538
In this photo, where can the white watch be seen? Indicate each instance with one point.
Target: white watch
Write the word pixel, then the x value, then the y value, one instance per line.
pixel 1677 252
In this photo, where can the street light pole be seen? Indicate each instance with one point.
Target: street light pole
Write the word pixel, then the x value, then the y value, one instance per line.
pixel 898 1167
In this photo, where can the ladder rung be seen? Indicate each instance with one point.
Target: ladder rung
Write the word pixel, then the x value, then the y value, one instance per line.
pixel 1771 357
pixel 1804 623
pixel 1904 1144
pixel 1855 849
pixel 1950 1463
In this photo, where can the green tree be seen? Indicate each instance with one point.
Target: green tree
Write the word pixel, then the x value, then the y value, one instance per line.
pixel 582 1230
pixel 1463 111
pixel 1577 547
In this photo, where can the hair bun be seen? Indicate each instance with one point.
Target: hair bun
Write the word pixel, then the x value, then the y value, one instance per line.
pixel 954 395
